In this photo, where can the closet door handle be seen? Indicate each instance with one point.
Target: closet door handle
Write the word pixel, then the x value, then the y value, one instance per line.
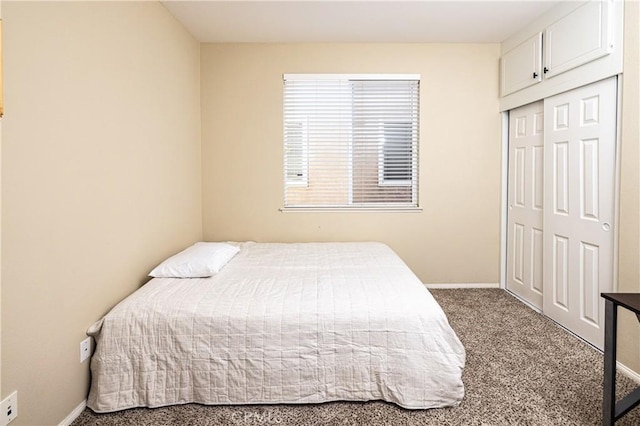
pixel 606 227
pixel 535 74
pixel 545 70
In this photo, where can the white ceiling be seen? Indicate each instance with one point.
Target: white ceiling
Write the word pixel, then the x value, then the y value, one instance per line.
pixel 426 21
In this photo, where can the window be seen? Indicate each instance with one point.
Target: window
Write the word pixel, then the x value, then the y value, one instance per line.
pixel 296 153
pixel 396 152
pixel 351 141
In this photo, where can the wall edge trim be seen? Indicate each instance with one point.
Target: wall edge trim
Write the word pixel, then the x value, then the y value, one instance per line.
pixel 74 414
pixel 628 372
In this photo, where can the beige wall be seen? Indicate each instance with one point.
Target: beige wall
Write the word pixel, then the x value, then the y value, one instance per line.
pixel 455 239
pixel 100 179
pixel 101 169
pixel 1 395
pixel 629 246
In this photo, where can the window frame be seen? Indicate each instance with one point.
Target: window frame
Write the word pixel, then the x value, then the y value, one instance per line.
pixel 412 119
pixel 382 159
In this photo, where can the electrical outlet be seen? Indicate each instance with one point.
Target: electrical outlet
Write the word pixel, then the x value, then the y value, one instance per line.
pixel 85 349
pixel 9 408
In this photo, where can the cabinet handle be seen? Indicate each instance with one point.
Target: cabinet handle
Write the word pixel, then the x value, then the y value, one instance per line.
pixel 545 70
pixel 535 74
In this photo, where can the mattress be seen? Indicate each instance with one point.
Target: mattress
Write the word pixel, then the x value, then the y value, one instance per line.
pixel 280 323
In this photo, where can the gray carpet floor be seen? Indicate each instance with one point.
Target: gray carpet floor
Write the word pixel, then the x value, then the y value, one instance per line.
pixel 522 369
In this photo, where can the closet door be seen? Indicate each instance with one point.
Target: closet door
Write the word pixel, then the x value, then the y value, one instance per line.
pixel 580 135
pixel 525 200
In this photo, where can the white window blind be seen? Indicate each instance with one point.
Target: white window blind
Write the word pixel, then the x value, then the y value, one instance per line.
pixel 351 141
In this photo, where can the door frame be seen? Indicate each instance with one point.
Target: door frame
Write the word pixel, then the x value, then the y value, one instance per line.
pixel 504 211
pixel 504 187
pixel 616 184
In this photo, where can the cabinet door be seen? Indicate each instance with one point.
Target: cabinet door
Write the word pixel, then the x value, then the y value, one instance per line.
pixel 578 38
pixel 521 66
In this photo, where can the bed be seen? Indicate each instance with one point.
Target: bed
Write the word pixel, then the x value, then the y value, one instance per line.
pixel 280 323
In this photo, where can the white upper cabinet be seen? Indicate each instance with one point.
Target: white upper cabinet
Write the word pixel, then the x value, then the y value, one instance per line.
pixel 574 38
pixel 522 66
pixel 578 38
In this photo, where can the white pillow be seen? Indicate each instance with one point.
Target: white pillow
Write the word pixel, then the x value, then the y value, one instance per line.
pixel 198 261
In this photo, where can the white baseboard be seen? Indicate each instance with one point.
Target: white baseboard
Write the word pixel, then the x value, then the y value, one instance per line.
pixel 628 372
pixel 74 414
pixel 462 285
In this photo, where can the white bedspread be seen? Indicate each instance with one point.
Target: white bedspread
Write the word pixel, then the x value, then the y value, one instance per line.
pixel 281 323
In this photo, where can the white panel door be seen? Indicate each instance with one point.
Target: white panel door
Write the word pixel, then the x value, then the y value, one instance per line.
pixel 580 135
pixel 526 202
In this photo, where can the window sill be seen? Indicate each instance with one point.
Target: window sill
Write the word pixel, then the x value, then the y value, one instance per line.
pixel 351 209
